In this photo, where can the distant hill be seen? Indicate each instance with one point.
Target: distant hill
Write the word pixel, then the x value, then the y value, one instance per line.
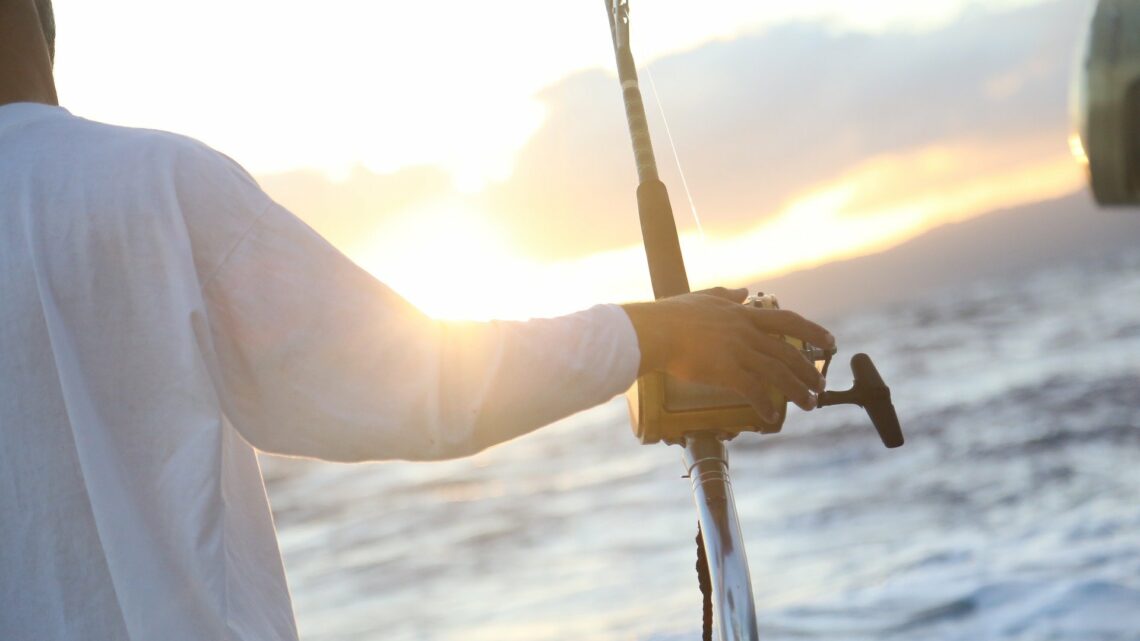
pixel 1002 243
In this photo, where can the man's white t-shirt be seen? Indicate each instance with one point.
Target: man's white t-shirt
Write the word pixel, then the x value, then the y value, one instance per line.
pixel 160 318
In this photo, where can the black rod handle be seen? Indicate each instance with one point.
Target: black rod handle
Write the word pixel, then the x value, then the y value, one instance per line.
pixel 662 246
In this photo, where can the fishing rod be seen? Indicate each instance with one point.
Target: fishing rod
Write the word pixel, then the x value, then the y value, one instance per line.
pixel 702 418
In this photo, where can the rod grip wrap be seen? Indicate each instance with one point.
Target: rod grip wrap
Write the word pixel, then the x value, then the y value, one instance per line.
pixel 662 247
pixel 639 133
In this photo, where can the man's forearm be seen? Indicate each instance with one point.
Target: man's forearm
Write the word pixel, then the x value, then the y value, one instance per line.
pixel 546 369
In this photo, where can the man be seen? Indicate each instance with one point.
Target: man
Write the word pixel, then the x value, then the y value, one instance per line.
pixel 161 318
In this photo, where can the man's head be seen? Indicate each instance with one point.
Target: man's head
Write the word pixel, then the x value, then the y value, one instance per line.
pixel 47 23
pixel 27 51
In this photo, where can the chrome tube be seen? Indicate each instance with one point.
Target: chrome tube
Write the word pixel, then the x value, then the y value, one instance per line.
pixel 734 610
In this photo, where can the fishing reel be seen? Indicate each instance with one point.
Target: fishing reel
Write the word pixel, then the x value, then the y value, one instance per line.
pixel 1105 103
pixel 664 408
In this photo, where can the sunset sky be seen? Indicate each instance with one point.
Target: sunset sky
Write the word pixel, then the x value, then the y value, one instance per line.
pixel 473 155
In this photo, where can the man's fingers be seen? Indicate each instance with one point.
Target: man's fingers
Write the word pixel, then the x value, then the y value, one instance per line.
pixel 793 358
pixel 736 295
pixel 765 369
pixel 758 398
pixel 782 321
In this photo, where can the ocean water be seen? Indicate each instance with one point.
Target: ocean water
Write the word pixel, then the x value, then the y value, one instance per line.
pixel 1012 513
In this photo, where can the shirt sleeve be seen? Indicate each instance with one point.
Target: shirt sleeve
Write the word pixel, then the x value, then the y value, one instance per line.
pixel 318 358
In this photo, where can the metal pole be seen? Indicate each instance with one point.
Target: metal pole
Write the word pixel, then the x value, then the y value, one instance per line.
pixel 734 608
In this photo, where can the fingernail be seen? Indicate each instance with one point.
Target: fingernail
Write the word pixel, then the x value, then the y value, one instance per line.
pixel 771 417
pixel 811 401
pixel 830 340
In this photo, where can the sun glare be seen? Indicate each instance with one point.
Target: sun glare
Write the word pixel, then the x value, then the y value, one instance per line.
pixel 1077 148
pixel 450 262
pixel 447 260
pixel 442 257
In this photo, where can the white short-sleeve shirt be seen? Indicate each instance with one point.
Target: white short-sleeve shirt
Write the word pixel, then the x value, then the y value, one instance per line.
pixel 160 318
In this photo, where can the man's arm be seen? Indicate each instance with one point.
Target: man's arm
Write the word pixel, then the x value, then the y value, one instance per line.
pixel 318 358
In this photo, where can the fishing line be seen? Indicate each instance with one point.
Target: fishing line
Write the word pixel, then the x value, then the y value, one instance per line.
pixel 676 157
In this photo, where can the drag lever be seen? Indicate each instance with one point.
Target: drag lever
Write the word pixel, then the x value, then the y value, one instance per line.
pixel 873 395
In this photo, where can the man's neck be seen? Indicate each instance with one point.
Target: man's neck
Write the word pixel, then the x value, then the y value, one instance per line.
pixel 25 64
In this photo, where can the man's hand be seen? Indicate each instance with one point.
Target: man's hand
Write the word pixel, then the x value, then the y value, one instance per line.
pixel 709 337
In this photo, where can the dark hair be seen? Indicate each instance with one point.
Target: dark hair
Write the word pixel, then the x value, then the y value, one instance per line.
pixel 47 22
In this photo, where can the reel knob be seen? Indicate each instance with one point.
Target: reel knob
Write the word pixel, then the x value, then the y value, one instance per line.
pixel 872 394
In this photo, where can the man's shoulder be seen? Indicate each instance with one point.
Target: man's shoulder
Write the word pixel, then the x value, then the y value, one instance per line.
pixel 60 139
pixel 161 149
pixel 142 172
pixel 196 171
pixel 167 174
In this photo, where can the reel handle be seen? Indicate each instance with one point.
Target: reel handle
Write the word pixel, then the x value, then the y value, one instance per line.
pixel 873 395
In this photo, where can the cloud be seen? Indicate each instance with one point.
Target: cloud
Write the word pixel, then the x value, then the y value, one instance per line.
pixel 761 119
pixel 759 122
